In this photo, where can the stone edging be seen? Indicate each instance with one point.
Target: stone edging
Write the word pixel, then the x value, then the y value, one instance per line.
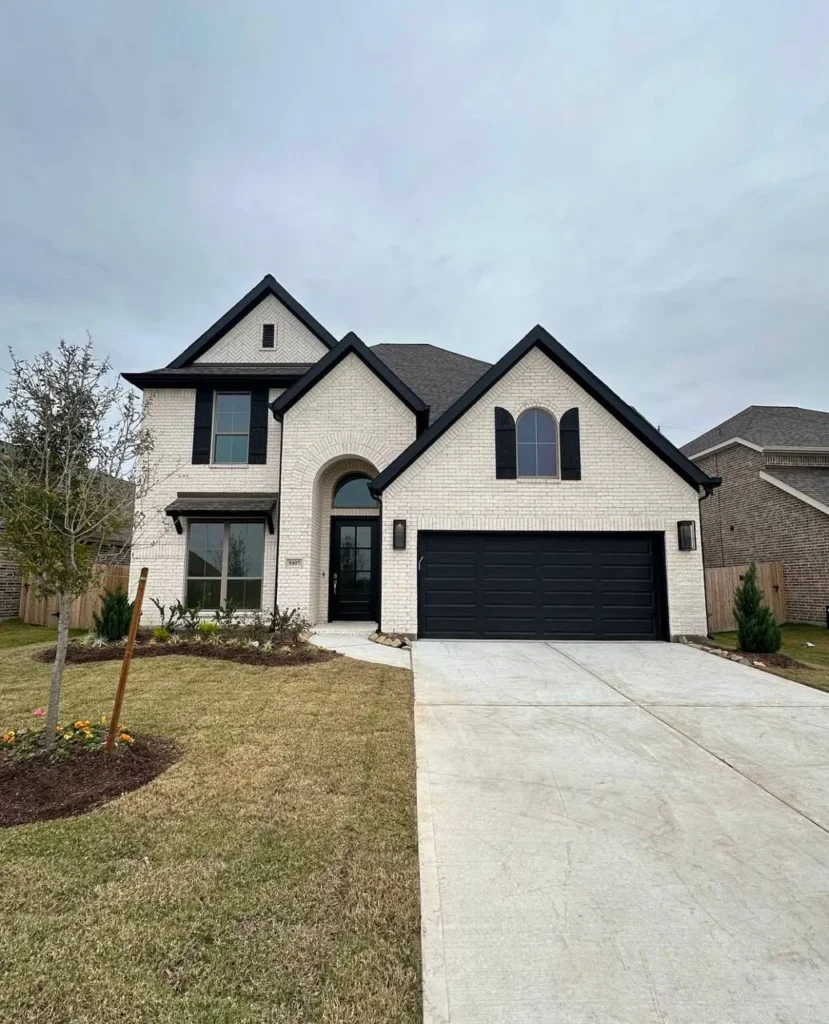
pixel 720 652
pixel 389 640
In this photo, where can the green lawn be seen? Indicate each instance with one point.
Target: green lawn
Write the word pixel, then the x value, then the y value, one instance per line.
pixel 14 633
pixel 795 637
pixel 269 876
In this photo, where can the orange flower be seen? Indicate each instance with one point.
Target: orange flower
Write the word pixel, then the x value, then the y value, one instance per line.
pixel 125 736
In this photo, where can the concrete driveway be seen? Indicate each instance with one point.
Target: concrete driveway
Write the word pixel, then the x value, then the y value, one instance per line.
pixel 625 833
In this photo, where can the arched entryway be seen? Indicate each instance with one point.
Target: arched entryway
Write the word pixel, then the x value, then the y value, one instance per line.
pixel 347 531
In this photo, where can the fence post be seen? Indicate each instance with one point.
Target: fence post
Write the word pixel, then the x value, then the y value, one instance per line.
pixel 125 664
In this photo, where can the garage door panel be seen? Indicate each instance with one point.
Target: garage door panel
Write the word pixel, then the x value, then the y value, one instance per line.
pixel 542 585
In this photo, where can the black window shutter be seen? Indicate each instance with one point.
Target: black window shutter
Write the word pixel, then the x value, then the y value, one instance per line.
pixel 568 431
pixel 203 425
pixel 505 468
pixel 258 443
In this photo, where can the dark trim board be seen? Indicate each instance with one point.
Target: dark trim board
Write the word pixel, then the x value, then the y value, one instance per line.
pixel 577 371
pixel 541 585
pixel 267 286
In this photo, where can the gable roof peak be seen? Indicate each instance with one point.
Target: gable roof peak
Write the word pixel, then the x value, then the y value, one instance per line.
pixel 539 337
pixel 266 287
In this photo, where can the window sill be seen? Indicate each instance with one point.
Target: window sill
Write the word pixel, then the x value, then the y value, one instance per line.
pixel 535 481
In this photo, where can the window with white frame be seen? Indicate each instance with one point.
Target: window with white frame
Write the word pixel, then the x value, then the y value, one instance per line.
pixel 231 427
pixel 225 561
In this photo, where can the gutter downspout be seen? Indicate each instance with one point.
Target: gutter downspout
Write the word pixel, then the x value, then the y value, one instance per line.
pixel 279 512
pixel 708 490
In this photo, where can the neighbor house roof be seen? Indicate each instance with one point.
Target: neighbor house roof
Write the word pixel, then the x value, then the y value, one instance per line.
pixel 577 371
pixel 810 484
pixel 267 286
pixel 197 375
pixel 352 345
pixel 767 426
pixel 439 376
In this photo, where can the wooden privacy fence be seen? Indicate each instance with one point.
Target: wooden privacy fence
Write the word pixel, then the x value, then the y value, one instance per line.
pixel 44 611
pixel 720 585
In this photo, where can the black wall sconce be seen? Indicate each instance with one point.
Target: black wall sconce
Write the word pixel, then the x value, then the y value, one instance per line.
pixel 687 534
pixel 398 534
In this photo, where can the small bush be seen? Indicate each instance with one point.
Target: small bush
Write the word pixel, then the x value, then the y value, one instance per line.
pixel 161 634
pixel 757 630
pixel 21 744
pixel 114 619
pixel 289 624
pixel 227 614
pixel 209 628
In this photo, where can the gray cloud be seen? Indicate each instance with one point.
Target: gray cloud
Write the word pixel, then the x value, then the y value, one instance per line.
pixel 650 183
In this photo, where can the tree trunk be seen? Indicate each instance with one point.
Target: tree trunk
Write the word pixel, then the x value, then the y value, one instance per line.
pixel 65 604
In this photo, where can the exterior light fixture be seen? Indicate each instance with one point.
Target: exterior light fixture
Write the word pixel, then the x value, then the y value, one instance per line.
pixel 687 534
pixel 398 535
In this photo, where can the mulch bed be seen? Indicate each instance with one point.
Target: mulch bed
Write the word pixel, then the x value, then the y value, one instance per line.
pixel 302 654
pixel 41 789
pixel 769 660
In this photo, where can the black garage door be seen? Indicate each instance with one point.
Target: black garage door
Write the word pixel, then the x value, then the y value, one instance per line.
pixel 553 586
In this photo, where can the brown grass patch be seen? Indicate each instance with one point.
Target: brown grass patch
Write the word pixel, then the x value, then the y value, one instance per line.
pixel 270 875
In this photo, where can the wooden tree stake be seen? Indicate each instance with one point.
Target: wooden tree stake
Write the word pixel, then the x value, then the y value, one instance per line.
pixel 125 664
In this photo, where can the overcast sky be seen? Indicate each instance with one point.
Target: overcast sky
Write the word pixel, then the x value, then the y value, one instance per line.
pixel 648 180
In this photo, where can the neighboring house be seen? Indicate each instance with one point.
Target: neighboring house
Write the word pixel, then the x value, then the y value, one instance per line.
pixel 9 583
pixel 414 487
pixel 773 505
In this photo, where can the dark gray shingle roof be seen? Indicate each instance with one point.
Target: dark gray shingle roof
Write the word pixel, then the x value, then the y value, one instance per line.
pixel 253 504
pixel 769 426
pixel 813 481
pixel 436 375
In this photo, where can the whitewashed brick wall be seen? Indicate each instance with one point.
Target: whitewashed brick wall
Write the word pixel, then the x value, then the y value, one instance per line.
pixel 243 344
pixel 349 414
pixel 170 414
pixel 624 486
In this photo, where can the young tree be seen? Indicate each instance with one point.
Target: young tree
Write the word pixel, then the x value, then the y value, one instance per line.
pixel 72 447
pixel 757 630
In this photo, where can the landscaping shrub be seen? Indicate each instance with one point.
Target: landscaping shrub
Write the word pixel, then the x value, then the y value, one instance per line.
pixel 161 634
pixel 209 628
pixel 290 624
pixel 116 612
pixel 757 630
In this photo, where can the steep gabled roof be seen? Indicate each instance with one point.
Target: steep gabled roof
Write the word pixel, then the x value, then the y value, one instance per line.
pixel 267 286
pixel 351 344
pixel 546 343
pixel 439 376
pixel 767 426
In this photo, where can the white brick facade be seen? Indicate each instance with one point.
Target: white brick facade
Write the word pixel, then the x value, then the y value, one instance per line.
pixel 349 415
pixel 243 343
pixel 350 421
pixel 624 486
pixel 170 413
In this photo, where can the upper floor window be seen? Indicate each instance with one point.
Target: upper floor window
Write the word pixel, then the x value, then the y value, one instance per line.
pixel 537 444
pixel 268 334
pixel 231 427
pixel 352 492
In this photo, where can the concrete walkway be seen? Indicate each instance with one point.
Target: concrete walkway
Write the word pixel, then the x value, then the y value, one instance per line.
pixel 619 834
pixel 355 643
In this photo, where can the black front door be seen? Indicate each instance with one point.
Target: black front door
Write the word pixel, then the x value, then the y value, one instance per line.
pixel 355 572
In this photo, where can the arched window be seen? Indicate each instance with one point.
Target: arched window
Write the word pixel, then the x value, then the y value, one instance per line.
pixel 537 444
pixel 352 492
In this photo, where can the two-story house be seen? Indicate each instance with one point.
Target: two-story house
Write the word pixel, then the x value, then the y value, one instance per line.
pixel 413 487
pixel 773 505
